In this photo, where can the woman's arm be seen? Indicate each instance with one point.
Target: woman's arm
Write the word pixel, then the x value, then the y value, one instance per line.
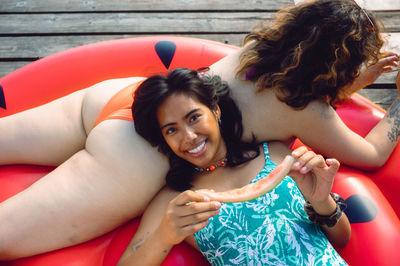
pixel 314 176
pixel 167 222
pixel 340 233
pixel 319 127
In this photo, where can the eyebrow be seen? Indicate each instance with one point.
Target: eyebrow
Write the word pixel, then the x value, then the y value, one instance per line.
pixel 185 117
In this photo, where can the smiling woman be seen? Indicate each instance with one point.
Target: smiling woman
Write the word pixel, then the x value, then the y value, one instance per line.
pixel 190 135
pixel 182 136
pixel 184 108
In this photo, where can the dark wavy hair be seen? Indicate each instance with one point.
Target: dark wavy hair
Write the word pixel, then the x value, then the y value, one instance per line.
pixel 210 91
pixel 311 51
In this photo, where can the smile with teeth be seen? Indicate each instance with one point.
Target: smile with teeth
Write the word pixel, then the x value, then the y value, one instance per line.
pixel 198 148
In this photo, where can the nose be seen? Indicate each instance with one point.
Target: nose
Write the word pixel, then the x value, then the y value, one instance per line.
pixel 189 134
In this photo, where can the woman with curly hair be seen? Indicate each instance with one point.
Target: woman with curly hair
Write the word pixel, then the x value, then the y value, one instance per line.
pixel 285 81
pixel 295 70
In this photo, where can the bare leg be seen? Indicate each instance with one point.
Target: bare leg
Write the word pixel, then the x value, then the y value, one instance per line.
pixel 50 134
pixel 94 191
pixel 106 176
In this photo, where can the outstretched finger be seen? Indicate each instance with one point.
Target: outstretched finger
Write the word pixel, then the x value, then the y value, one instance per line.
pixel 189 196
pixel 333 165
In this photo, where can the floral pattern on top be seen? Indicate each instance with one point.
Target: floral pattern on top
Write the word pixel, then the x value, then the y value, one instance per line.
pixel 270 230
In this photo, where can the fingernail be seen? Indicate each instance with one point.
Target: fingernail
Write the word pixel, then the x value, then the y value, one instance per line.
pixel 304 169
pixel 217 205
pixel 206 198
pixel 296 165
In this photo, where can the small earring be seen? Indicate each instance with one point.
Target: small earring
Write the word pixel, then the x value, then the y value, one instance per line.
pixel 219 121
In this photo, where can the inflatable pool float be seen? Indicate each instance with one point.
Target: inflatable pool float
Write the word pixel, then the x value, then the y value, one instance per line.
pixel 373 197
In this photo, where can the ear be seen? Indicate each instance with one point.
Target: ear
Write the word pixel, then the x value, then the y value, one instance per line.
pixel 217 112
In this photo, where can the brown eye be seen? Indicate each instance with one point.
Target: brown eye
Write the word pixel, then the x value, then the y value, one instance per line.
pixel 170 131
pixel 194 117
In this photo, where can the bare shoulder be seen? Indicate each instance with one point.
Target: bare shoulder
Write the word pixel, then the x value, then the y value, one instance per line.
pixel 318 109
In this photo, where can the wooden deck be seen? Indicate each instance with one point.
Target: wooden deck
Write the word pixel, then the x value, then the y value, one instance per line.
pixel 32 29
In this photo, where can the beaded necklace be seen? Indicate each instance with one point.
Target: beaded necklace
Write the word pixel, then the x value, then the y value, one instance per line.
pixel 212 167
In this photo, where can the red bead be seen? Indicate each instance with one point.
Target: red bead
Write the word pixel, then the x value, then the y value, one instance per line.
pixel 212 168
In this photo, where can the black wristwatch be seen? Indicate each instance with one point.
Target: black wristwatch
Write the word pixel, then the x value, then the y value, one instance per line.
pixel 329 220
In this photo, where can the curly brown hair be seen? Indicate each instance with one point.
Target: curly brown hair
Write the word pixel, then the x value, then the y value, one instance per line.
pixel 311 51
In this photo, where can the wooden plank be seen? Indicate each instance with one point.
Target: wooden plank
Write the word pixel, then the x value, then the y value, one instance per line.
pixel 390 20
pixel 382 97
pixel 13 6
pixel 379 4
pixel 200 22
pixel 158 22
pixel 8 67
pixel 40 46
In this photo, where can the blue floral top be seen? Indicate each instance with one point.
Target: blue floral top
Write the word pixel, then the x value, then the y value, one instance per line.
pixel 270 230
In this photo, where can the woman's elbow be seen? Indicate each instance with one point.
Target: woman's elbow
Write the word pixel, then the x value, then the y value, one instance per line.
pixel 343 241
pixel 372 164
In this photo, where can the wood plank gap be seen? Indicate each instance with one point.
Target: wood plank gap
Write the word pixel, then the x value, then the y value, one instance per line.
pixel 381 86
pixel 19 59
pixel 141 11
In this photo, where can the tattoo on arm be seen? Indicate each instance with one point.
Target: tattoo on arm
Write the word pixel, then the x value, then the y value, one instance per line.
pixel 393 117
pixel 138 243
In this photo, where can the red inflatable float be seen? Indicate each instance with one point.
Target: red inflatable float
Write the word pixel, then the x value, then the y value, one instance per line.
pixel 373 197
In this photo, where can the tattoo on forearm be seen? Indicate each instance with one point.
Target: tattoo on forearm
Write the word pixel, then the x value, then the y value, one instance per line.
pixel 393 117
pixel 138 243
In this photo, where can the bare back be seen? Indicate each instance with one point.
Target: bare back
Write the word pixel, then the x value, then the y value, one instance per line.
pixel 259 110
pixel 317 125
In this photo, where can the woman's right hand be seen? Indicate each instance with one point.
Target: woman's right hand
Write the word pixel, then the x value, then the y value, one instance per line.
pixel 369 74
pixel 186 214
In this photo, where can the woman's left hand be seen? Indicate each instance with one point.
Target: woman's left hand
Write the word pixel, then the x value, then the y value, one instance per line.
pixel 313 174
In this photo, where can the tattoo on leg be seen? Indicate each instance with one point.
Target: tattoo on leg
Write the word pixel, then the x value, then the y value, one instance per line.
pixel 393 117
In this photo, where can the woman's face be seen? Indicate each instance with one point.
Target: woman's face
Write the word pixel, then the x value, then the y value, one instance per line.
pixel 191 130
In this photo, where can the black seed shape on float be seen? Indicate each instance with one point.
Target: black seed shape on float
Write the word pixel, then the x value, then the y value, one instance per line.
pixel 2 98
pixel 360 209
pixel 165 51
